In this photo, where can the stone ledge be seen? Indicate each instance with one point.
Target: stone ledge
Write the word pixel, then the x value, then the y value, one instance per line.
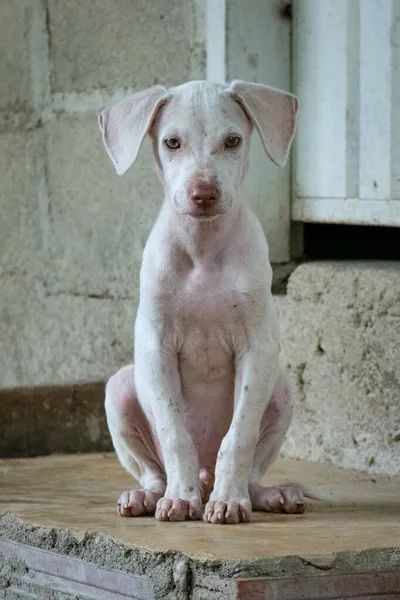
pixel 69 513
pixel 42 573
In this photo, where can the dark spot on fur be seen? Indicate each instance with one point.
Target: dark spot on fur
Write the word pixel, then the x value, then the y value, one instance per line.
pixel 191 489
pixel 246 388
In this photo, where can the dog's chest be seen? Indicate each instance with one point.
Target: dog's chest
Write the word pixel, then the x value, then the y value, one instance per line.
pixel 208 299
pixel 210 321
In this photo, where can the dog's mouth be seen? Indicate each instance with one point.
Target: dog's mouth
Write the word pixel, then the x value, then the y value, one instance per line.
pixel 204 217
pixel 205 214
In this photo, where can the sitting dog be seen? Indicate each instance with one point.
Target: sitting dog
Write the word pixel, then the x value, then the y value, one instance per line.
pixel 204 410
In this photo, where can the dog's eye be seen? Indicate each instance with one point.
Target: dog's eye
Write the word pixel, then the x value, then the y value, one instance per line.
pixel 232 141
pixel 173 143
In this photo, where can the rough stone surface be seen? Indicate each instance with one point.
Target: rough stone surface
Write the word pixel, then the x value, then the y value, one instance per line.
pixel 20 232
pixel 100 222
pixel 340 327
pixel 15 82
pixel 61 338
pixel 124 44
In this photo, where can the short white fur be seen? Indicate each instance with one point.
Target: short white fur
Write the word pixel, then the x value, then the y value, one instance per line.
pixel 205 408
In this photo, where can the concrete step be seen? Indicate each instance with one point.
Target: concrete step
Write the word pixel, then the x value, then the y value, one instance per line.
pixel 60 538
pixel 35 421
pixel 340 325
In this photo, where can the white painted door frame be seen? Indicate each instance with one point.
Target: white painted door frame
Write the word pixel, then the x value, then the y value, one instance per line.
pixel 346 67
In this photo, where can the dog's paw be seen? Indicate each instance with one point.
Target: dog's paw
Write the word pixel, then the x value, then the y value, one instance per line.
pixel 137 503
pixel 287 499
pixel 221 512
pixel 176 509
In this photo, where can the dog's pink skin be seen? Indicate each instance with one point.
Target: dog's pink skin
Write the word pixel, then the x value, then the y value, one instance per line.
pixel 206 396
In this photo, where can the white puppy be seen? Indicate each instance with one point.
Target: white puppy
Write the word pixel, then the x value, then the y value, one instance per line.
pixel 204 410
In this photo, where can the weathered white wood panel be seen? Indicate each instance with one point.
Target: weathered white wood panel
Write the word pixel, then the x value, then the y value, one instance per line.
pixel 375 99
pixel 320 82
pixel 351 211
pixel 347 76
pixel 395 109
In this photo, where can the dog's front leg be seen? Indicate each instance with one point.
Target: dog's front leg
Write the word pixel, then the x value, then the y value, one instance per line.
pixel 159 386
pixel 256 375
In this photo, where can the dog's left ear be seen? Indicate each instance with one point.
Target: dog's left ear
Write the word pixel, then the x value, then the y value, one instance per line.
pixel 273 112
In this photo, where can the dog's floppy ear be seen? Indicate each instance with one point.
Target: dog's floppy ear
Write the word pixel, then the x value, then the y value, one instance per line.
pixel 125 124
pixel 273 112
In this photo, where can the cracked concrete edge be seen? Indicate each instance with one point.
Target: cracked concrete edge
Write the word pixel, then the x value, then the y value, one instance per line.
pixel 175 574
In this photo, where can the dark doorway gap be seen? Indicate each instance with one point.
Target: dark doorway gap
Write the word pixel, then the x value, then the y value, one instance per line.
pixel 351 242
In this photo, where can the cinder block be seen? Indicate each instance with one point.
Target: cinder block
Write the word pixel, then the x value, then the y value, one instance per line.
pixel 15 81
pixel 47 339
pixel 340 326
pixel 20 232
pixel 100 221
pixel 124 43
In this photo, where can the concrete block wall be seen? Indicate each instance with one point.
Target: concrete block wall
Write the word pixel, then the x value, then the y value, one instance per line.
pixel 71 231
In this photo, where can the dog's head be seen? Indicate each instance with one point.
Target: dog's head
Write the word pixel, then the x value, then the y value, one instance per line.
pixel 201 135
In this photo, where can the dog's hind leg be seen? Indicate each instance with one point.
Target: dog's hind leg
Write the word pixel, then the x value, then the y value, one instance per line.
pixel 135 445
pixel 274 425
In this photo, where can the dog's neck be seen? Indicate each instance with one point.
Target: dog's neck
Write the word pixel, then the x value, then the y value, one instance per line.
pixel 203 241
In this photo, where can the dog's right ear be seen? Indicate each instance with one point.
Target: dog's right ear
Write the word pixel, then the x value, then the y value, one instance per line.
pixel 125 124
